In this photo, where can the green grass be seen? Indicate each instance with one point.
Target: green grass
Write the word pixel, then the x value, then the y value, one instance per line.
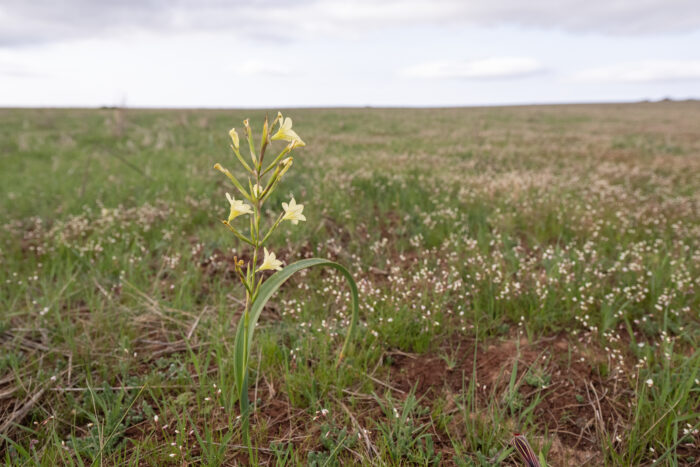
pixel 523 269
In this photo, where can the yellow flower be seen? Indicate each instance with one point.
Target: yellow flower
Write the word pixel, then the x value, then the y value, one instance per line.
pixel 270 262
pixel 238 208
pixel 234 137
pixel 286 133
pixel 292 212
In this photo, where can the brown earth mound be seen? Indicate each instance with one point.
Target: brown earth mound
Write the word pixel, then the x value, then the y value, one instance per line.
pixel 576 403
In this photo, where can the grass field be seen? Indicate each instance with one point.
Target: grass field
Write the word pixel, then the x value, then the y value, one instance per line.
pixel 523 269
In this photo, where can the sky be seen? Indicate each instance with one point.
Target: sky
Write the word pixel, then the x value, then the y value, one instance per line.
pixel 316 53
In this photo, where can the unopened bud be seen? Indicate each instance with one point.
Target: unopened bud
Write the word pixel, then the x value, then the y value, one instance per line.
pixel 285 165
pixel 234 137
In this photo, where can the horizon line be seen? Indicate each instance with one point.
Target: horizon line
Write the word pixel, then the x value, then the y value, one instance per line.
pixel 345 106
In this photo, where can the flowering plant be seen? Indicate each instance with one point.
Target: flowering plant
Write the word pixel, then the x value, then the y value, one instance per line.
pixel 262 181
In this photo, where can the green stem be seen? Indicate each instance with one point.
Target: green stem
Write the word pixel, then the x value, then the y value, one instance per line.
pixel 284 152
pixel 234 180
pixel 240 159
pixel 251 144
pixel 272 229
pixel 263 143
pixel 243 400
pixel 252 292
pixel 238 235
pixel 244 404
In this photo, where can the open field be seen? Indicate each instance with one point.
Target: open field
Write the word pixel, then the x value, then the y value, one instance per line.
pixel 522 269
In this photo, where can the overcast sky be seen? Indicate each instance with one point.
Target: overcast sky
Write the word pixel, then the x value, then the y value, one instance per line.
pixel 276 53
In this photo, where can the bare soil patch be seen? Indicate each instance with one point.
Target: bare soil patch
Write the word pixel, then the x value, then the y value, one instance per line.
pixel 576 402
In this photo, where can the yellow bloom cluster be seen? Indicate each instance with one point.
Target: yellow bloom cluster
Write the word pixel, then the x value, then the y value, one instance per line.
pixel 262 180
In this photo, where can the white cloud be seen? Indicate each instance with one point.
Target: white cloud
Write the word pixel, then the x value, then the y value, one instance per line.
pixel 648 71
pixel 488 68
pixel 36 21
pixel 15 64
pixel 237 53
pixel 261 68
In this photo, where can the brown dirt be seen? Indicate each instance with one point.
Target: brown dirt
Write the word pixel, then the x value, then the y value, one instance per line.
pixel 575 403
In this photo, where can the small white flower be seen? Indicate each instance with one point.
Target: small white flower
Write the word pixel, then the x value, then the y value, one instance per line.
pixel 650 382
pixel 293 212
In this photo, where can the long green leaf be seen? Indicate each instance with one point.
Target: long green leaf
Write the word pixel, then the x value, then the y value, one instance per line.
pixel 267 289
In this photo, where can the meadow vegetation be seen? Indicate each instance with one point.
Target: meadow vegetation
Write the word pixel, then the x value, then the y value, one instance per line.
pixel 521 269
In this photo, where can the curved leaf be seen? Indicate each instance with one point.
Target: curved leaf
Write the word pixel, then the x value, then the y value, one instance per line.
pixel 247 324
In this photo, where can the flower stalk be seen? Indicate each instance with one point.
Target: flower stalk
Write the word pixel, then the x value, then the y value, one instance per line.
pixel 258 286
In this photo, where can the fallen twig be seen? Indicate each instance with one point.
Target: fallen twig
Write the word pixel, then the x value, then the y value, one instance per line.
pixel 19 414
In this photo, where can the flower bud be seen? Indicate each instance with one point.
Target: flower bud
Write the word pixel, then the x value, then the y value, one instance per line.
pixel 234 137
pixel 285 165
